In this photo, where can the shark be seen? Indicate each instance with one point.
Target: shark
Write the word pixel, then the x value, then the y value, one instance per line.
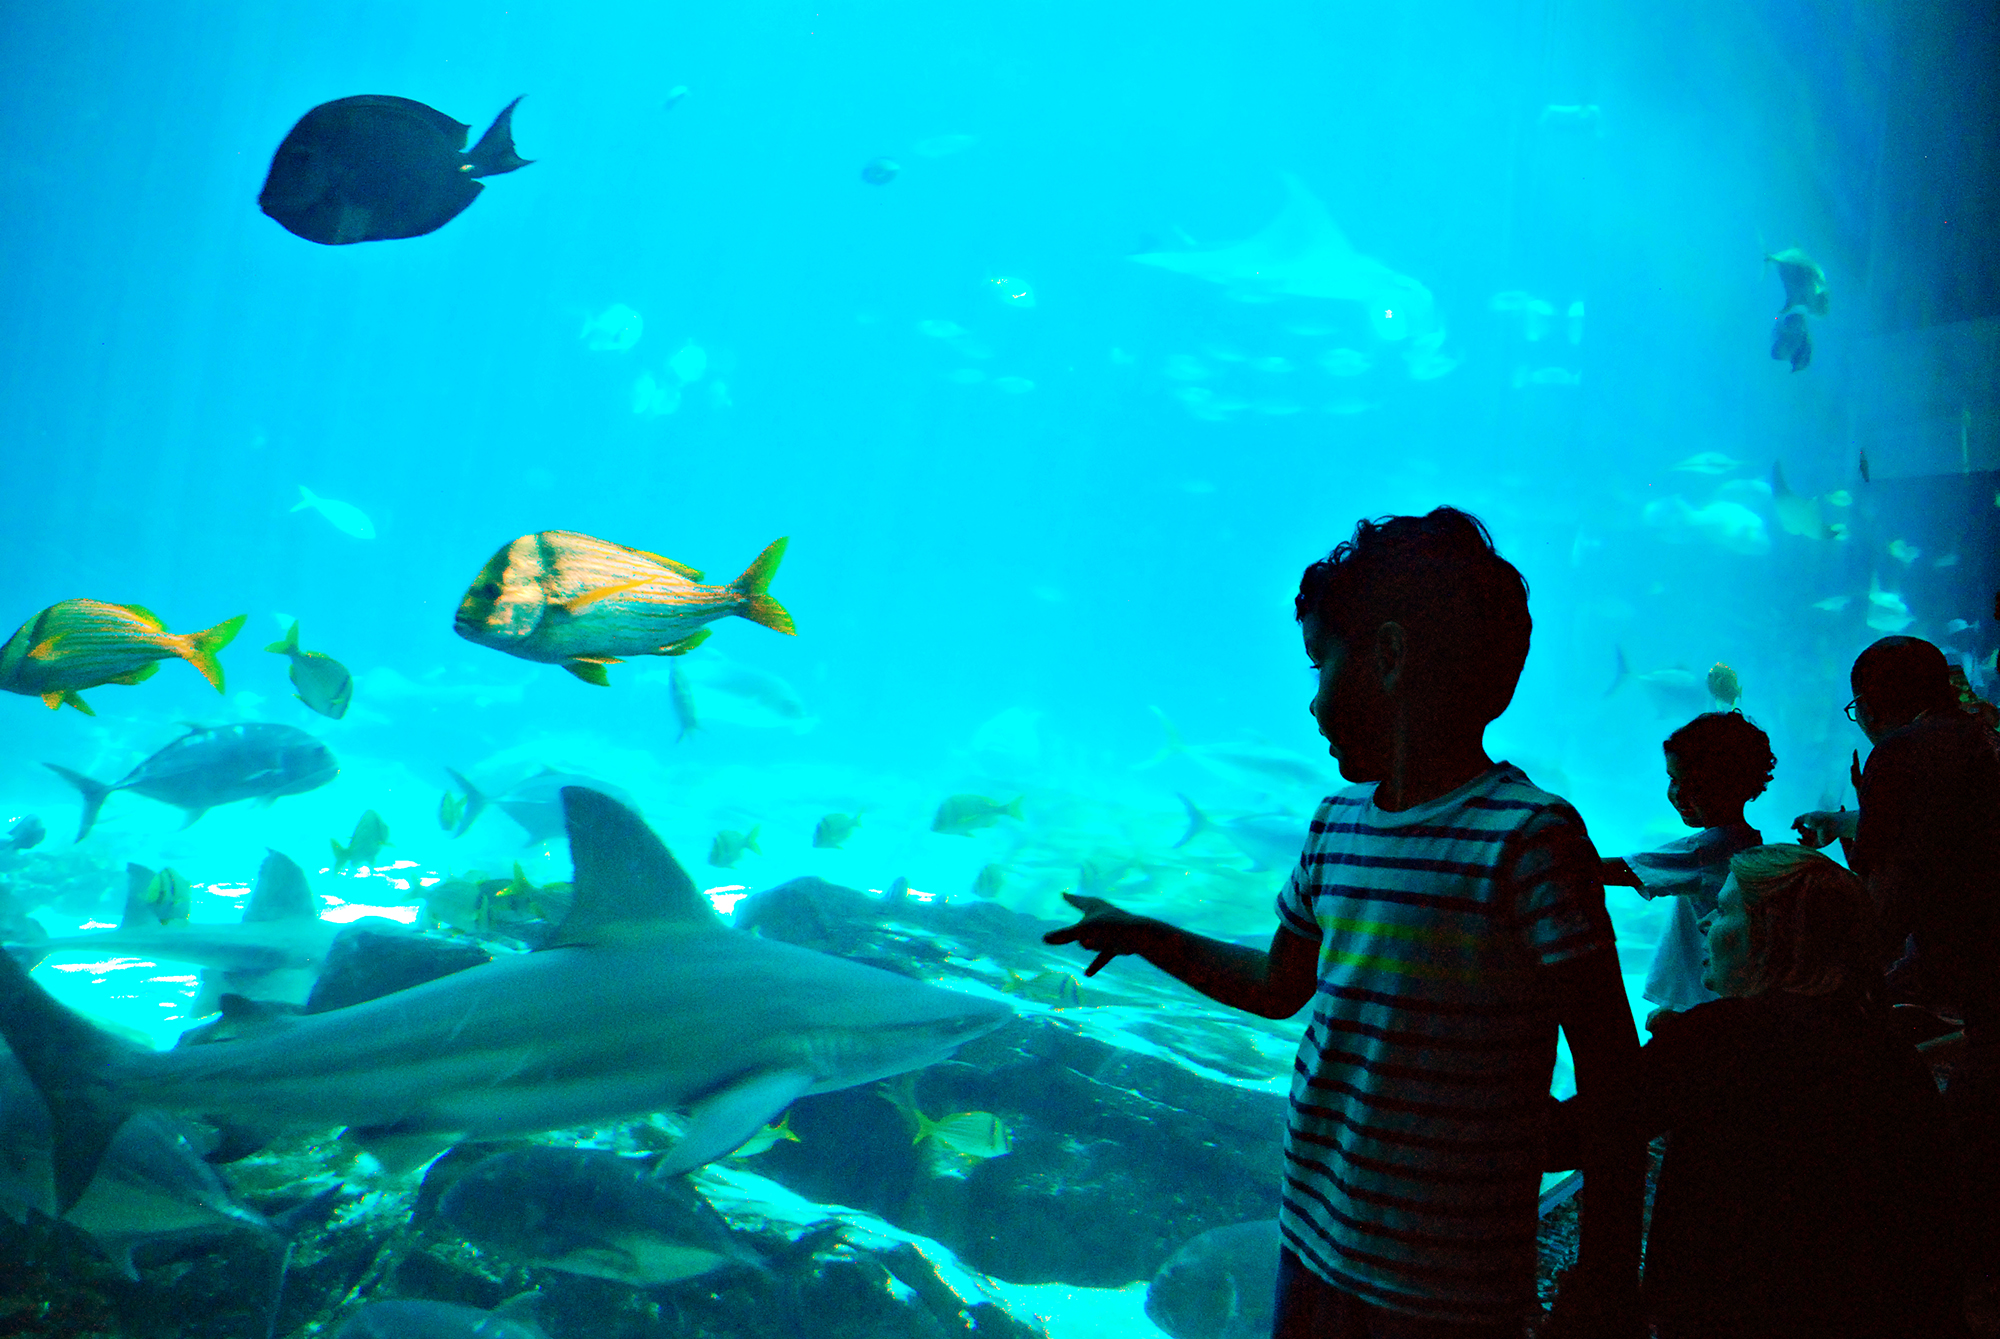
pixel 1303 254
pixel 643 1000
pixel 274 953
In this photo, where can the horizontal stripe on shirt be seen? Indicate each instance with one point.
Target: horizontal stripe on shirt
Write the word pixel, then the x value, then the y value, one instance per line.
pixel 1420 1089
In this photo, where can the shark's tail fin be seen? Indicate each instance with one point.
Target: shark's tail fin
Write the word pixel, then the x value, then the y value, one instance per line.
pixel 95 793
pixel 1198 823
pixel 475 803
pixel 494 153
pixel 757 606
pixel 70 1063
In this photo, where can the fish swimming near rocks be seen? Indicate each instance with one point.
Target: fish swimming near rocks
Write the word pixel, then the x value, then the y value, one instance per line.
pixel 410 1318
pixel 567 599
pixel 78 644
pixel 323 683
pixel 274 953
pixel 1220 1285
pixel 644 1000
pixel 593 1212
pixel 375 167
pixel 729 846
pixel 833 830
pixel 211 765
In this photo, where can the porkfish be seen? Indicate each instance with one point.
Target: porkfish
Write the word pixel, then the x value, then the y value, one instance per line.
pixel 567 599
pixel 80 644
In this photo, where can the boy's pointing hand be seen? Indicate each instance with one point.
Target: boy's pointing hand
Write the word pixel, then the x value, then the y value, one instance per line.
pixel 1105 930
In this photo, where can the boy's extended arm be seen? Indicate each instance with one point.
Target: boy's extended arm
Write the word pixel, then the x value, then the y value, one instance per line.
pixel 1275 982
pixel 1591 1006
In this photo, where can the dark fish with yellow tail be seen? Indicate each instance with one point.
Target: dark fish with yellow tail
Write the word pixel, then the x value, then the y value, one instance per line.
pixel 567 599
pixel 323 682
pixel 80 644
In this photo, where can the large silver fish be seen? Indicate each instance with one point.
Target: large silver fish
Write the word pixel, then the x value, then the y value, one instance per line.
pixel 567 599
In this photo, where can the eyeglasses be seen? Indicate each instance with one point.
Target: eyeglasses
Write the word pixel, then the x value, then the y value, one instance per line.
pixel 1851 708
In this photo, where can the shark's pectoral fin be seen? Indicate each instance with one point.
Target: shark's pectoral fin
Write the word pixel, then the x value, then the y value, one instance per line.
pixel 723 1122
pixel 397 1149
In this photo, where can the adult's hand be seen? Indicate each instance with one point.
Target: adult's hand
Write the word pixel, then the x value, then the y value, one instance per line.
pixel 1105 930
pixel 1822 826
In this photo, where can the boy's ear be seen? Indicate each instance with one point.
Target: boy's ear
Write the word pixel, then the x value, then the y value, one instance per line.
pixel 1392 656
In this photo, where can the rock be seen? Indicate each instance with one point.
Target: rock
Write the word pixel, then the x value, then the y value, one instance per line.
pixel 365 964
pixel 1117 1158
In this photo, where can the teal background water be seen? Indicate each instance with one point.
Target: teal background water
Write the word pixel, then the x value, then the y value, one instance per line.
pixel 1015 529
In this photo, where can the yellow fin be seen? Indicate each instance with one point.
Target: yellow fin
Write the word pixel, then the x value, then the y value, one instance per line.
pixel 140 675
pixel 678 569
pixel 684 645
pixel 56 700
pixel 145 615
pixel 576 604
pixel 590 671
pixel 45 649
pixel 200 648
pixel 757 606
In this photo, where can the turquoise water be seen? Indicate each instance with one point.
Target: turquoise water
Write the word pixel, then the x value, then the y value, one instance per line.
pixel 1160 300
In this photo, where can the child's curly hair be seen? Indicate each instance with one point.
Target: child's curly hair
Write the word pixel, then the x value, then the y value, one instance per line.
pixel 1724 754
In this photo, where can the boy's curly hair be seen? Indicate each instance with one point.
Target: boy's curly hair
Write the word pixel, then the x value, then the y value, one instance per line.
pixel 1464 607
pixel 1725 754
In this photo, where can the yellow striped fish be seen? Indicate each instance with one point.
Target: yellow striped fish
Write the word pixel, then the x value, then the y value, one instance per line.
pixel 87 643
pixel 567 599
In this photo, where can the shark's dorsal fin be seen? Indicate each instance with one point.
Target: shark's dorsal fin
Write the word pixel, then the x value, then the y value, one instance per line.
pixel 626 879
pixel 138 910
pixel 1303 229
pixel 281 892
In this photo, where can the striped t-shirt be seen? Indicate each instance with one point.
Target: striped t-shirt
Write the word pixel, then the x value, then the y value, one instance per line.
pixel 1412 1156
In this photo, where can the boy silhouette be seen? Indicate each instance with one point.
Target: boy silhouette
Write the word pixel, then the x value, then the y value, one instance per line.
pixel 1444 918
